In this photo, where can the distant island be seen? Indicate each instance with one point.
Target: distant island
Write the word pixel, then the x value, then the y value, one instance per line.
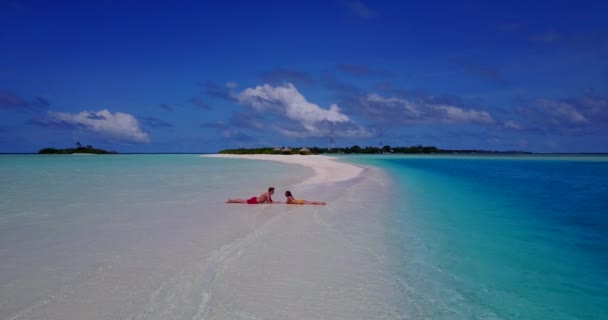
pixel 88 149
pixel 366 150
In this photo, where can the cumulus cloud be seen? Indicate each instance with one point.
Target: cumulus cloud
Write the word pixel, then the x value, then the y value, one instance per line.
pixel 288 99
pixel 510 124
pixel 594 108
pixel 119 126
pixel 562 112
pixel 566 115
pixel 286 102
pixel 399 111
pixel 342 129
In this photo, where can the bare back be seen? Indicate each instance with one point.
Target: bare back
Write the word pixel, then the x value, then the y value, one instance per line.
pixel 265 198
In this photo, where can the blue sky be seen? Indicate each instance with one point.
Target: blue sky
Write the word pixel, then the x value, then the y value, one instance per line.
pixel 201 76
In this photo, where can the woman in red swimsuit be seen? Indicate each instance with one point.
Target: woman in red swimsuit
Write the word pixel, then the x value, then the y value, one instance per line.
pixel 265 197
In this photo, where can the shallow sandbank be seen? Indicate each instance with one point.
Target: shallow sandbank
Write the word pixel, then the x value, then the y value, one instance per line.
pixel 327 169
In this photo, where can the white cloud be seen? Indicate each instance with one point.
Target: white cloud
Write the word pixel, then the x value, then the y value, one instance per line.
pixel 510 124
pixel 586 114
pixel 400 110
pixel 459 115
pixel 121 126
pixel 562 112
pixel 286 101
pixel 352 131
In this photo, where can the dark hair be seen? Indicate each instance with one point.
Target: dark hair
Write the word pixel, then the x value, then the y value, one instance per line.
pixel 288 193
pixel 270 189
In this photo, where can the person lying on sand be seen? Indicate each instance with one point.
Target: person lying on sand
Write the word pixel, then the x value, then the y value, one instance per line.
pixel 292 200
pixel 265 197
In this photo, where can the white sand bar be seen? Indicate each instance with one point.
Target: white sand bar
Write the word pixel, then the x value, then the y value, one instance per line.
pixel 327 169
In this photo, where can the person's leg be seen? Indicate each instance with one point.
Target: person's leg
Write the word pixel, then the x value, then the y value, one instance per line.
pixel 313 202
pixel 236 201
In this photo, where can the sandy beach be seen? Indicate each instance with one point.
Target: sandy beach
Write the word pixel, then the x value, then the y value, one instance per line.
pixel 167 246
pixel 309 262
pixel 327 169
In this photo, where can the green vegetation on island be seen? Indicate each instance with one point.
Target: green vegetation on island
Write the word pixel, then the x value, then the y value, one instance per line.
pixel 363 150
pixel 79 149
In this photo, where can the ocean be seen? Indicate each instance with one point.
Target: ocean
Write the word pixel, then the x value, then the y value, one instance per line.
pixel 500 237
pixel 415 237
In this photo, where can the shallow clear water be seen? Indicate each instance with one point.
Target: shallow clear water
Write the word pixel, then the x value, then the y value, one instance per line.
pixel 150 237
pixel 499 237
pixel 108 237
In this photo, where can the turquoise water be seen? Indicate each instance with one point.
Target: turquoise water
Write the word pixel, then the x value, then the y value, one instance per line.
pixel 121 236
pixel 149 237
pixel 499 237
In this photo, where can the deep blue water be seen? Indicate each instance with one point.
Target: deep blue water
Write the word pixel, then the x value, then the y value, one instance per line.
pixel 500 237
